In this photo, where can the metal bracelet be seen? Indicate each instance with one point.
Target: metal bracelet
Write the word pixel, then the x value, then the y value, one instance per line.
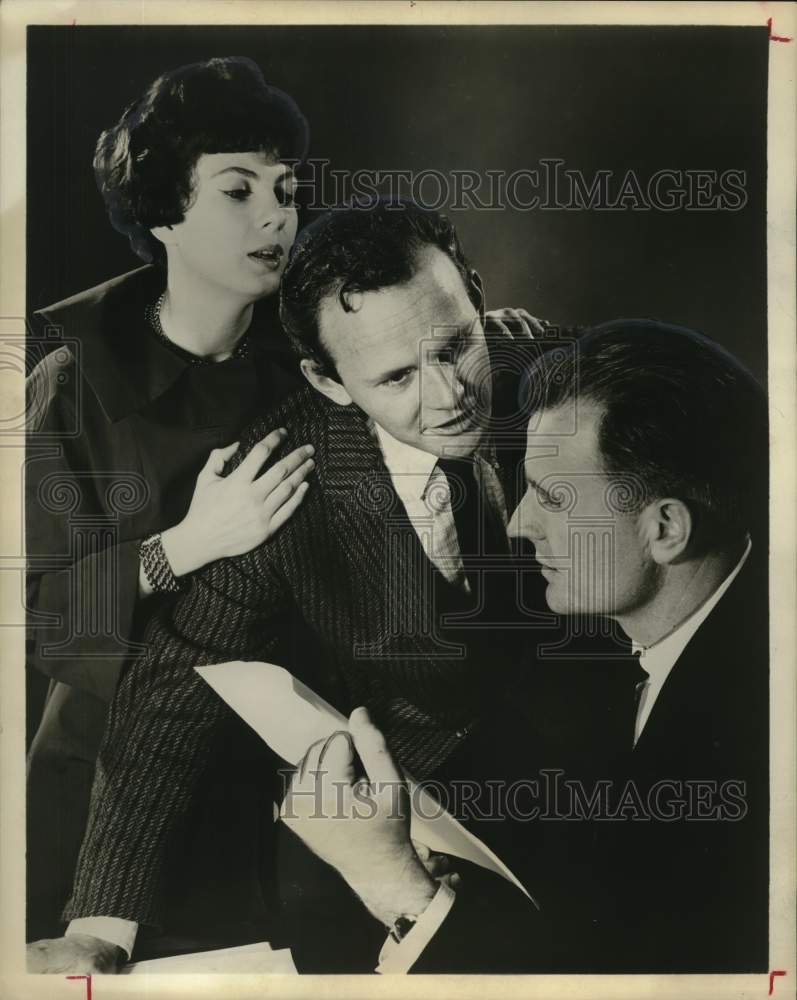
pixel 157 568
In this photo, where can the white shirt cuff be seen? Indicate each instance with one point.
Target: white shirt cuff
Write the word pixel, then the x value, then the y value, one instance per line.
pixel 122 933
pixel 398 957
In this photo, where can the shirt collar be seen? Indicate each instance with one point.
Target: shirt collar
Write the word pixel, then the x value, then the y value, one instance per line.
pixel 659 659
pixel 409 467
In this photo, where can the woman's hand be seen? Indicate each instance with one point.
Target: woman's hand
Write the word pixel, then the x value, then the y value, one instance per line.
pixel 514 324
pixel 230 515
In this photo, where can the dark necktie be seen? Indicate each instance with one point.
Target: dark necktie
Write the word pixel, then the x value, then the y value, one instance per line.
pixel 637 680
pixel 622 686
pixel 476 616
pixel 475 533
pixel 465 507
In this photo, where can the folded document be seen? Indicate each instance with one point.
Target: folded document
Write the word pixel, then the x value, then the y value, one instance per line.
pixel 289 717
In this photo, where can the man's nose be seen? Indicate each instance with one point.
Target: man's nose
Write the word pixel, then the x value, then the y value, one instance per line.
pixel 442 389
pixel 524 523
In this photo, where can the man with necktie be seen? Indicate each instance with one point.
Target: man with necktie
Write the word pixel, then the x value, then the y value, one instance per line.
pixel 646 844
pixel 371 597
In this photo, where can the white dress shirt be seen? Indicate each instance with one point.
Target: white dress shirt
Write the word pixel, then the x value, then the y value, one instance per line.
pixel 398 957
pixel 116 931
pixel 423 490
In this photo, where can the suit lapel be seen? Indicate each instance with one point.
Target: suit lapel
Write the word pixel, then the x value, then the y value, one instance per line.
pixel 720 677
pixel 372 527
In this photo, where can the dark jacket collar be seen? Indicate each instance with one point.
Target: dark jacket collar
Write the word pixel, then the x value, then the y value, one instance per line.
pixel 127 366
pixel 722 674
pixel 105 326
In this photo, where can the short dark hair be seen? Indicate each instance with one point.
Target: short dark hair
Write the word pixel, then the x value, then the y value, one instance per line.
pixel 144 164
pixel 358 248
pixel 681 416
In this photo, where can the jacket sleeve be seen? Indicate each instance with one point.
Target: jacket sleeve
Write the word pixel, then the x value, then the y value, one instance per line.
pixel 160 729
pixel 82 580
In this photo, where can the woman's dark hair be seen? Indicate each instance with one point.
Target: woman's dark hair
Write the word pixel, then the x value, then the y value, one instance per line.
pixel 144 164
pixel 359 249
pixel 681 417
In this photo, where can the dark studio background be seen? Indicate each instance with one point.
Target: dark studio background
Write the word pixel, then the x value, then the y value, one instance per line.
pixel 447 98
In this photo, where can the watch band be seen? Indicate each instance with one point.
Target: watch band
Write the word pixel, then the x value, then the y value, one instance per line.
pixel 157 568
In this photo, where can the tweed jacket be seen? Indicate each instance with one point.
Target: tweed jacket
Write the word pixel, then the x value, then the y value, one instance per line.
pixel 118 427
pixel 342 596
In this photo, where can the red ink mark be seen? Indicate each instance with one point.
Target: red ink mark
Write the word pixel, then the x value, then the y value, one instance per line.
pixel 777 972
pixel 775 38
pixel 88 984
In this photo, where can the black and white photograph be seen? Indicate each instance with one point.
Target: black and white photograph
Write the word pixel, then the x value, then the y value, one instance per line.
pixel 399 452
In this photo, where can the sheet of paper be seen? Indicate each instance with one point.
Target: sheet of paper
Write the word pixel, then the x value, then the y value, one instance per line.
pixel 289 716
pixel 251 959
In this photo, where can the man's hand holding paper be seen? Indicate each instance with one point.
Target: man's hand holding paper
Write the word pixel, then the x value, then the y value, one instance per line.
pixel 360 824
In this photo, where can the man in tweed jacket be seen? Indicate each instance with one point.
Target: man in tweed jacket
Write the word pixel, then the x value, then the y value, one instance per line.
pixel 386 314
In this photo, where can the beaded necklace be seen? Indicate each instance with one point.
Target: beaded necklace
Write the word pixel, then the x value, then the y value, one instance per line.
pixel 153 317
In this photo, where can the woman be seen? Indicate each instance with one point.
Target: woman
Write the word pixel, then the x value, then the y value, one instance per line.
pixel 135 412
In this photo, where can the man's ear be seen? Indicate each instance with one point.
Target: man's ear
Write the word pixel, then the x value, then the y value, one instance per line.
pixel 164 234
pixel 669 525
pixel 324 384
pixel 476 292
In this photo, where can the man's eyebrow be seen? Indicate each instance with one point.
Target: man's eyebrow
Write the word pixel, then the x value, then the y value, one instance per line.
pixel 447 333
pixel 451 331
pixel 443 342
pixel 539 489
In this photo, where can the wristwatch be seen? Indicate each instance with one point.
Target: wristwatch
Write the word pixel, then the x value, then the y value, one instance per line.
pixel 156 565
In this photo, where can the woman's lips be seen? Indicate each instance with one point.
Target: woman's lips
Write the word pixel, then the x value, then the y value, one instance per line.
pixel 270 256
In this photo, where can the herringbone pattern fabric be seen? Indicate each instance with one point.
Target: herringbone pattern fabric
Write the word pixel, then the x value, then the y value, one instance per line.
pixel 350 569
